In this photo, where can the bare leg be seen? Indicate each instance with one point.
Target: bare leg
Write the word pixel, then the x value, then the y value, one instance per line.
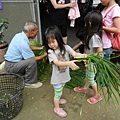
pixel 65 40
pixel 95 89
pixel 96 98
pixel 56 104
pixel 86 84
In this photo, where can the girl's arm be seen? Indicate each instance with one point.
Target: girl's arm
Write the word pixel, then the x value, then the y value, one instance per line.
pixel 99 49
pixel 116 28
pixel 75 55
pixel 77 45
pixel 70 64
pixel 60 6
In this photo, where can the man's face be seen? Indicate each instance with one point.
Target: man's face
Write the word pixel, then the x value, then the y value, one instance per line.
pixel 34 32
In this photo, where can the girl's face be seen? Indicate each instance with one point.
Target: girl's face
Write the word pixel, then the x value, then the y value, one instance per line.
pixel 105 2
pixel 52 43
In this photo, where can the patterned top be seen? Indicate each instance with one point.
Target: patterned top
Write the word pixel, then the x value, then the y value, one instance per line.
pixel 60 75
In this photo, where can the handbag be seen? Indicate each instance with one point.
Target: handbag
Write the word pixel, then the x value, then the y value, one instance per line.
pixel 115 39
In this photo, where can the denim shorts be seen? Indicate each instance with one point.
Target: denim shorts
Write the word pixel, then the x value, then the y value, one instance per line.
pixel 107 52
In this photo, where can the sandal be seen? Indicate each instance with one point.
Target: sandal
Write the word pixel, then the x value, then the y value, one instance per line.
pixel 80 89
pixel 62 101
pixel 60 112
pixel 94 99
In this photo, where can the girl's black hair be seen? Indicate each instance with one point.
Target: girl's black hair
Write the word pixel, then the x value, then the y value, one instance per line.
pixel 93 25
pixel 53 32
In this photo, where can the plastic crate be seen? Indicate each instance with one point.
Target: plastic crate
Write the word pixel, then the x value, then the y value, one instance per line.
pixel 11 95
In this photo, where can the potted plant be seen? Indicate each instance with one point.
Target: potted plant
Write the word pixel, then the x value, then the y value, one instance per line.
pixel 3 44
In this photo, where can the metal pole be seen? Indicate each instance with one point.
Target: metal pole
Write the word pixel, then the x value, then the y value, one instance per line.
pixel 39 23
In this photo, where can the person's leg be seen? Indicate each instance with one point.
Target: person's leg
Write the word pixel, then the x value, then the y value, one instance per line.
pixel 58 93
pixel 83 89
pixel 64 33
pixel 31 73
pixel 65 39
pixel 24 67
pixel 91 76
pixel 94 87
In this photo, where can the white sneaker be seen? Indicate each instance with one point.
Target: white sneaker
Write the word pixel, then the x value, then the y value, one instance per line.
pixel 2 65
pixel 36 85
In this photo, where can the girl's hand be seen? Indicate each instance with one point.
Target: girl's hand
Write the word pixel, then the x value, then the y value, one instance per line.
pixel 85 55
pixel 79 55
pixel 72 65
pixel 103 27
pixel 85 61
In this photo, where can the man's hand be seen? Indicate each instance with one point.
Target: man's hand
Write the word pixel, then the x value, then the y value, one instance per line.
pixel 42 47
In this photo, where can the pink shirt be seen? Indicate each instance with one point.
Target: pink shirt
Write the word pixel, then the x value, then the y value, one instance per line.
pixel 108 20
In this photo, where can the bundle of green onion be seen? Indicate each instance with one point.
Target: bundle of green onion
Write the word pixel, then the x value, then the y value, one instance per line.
pixel 108 75
pixel 37 52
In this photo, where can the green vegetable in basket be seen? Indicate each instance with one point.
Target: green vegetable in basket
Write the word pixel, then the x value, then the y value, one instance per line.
pixel 5 97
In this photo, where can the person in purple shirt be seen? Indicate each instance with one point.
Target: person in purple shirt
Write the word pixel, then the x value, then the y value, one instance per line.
pixel 20 59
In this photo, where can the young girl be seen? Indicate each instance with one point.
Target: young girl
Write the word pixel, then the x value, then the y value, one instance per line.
pixel 93 44
pixel 58 54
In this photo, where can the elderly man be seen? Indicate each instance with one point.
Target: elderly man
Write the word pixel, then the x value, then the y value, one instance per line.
pixel 20 59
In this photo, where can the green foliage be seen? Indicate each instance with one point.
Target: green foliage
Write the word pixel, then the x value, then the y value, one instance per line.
pixel 5 97
pixel 43 65
pixel 37 52
pixel 35 43
pixel 108 75
pixel 77 78
pixel 3 25
pixel 44 71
